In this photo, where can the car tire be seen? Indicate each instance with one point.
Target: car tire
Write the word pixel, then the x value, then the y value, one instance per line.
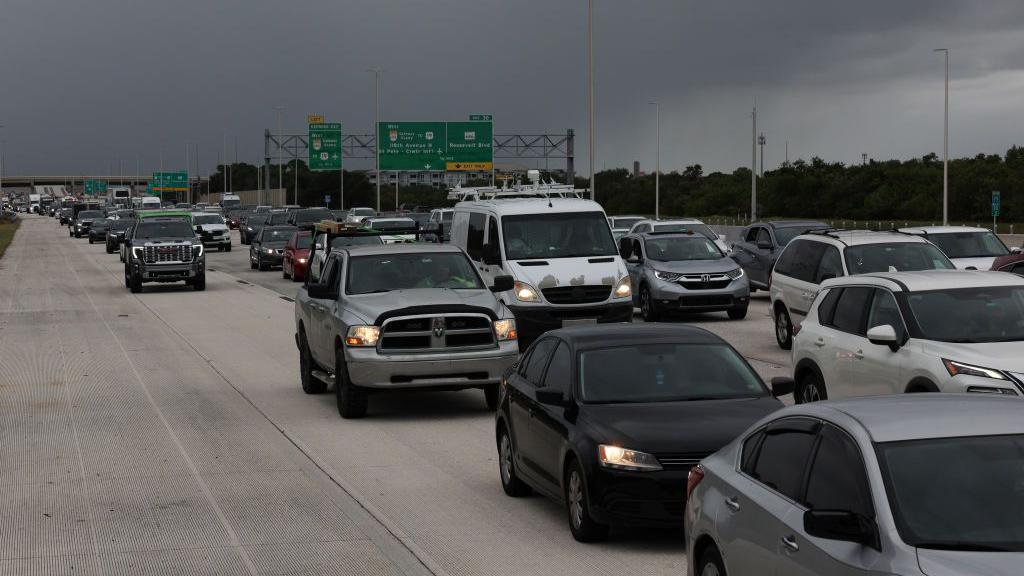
pixel 810 388
pixel 220 248
pixel 577 506
pixel 352 400
pixel 227 248
pixel 134 283
pixel 491 396
pixel 510 481
pixel 260 265
pixel 109 249
pixel 284 272
pixel 91 241
pixel 783 328
pixel 738 313
pixel 199 282
pixel 648 309
pixel 710 563
pixel 310 384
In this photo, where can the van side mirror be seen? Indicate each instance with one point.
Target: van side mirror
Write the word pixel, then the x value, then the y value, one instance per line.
pixel 503 284
pixel 782 386
pixel 841 525
pixel 491 255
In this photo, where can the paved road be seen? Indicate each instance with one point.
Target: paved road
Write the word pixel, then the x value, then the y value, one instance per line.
pixel 144 433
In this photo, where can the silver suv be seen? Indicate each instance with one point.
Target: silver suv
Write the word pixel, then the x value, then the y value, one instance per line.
pixel 812 258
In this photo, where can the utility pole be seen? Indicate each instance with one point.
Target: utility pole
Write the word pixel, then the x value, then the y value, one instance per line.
pixel 787 153
pixel 280 177
pixel 753 167
pixel 224 166
pixel 864 158
pixel 2 166
pixel 760 142
pixel 657 162
pixel 376 125
pixel 590 92
pixel 945 147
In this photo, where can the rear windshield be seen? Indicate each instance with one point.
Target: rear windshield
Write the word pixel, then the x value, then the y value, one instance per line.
pixel 343 241
pixel 277 234
pixel 304 242
pixel 895 257
pixel 303 216
pixel 696 228
pixel 384 225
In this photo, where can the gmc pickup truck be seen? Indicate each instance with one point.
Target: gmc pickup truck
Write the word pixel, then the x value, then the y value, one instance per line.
pixel 402 316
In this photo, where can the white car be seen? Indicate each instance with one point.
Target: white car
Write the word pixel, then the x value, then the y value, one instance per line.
pixel 968 248
pixel 682 225
pixel 929 331
pixel 810 259
pixel 396 230
pixel 357 214
pixel 212 230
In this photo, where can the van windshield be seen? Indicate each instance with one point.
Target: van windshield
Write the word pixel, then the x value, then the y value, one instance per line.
pixel 557 235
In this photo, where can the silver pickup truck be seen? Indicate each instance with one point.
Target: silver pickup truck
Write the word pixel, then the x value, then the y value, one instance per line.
pixel 402 316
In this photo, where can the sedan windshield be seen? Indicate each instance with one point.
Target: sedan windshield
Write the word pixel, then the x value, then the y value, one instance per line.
pixel 164 229
pixel 665 373
pixel 895 257
pixel 957 493
pixel 969 244
pixel 386 272
pixel 971 315
pixel 557 235
pixel 677 248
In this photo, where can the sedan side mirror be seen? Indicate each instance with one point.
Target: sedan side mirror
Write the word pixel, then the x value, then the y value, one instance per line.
pixel 762 245
pixel 550 396
pixel 782 386
pixel 884 335
pixel 841 525
pixel 503 284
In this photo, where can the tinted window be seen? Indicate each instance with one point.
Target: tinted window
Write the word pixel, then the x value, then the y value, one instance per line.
pixel 850 310
pixel 749 457
pixel 831 265
pixel 534 368
pixel 560 370
pixel 884 310
pixel 751 235
pixel 387 272
pixel 785 263
pixel 895 257
pixel 763 236
pixel 782 459
pixel 836 479
pixel 827 308
pixel 969 244
pixel 970 315
pixel 492 233
pixel 475 239
pixel 805 267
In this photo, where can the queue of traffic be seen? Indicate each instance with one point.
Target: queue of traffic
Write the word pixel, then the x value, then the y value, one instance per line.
pixel 528 294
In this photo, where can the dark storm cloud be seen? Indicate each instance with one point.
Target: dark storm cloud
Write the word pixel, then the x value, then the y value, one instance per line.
pixel 88 83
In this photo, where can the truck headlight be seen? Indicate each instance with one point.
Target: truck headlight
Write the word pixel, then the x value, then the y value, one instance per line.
pixel 137 251
pixel 197 250
pixel 956 368
pixel 625 459
pixel 525 292
pixel 624 289
pixel 505 329
pixel 362 336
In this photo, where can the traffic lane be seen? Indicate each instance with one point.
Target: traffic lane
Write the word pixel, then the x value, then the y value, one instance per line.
pixel 236 263
pixel 127 451
pixel 423 462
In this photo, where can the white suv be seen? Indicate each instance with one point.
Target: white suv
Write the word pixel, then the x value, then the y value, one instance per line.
pixel 968 248
pixel 929 331
pixel 682 225
pixel 810 259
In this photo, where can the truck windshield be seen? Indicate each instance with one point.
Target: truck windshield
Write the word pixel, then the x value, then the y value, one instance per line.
pixel 90 214
pixel 387 272
pixel 557 235
pixel 163 229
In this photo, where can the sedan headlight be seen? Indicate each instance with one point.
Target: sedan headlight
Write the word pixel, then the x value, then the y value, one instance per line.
pixel 958 368
pixel 505 329
pixel 735 274
pixel 362 336
pixel 525 292
pixel 625 459
pixel 249 228
pixel 666 276
pixel 624 289
pixel 270 250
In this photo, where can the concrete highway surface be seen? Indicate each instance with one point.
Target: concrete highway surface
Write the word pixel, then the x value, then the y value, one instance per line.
pixel 166 433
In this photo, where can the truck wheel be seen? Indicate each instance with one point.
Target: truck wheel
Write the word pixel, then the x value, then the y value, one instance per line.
pixel 199 282
pixel 310 385
pixel 134 283
pixel 491 396
pixel 352 400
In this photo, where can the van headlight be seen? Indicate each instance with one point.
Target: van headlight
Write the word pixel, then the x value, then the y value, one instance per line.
pixel 505 329
pixel 525 292
pixel 624 289
pixel 625 459
pixel 362 336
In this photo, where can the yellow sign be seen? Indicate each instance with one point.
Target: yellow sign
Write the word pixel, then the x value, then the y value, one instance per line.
pixel 468 166
pixel 315 119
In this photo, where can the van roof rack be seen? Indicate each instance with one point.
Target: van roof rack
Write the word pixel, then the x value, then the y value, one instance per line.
pixel 537 188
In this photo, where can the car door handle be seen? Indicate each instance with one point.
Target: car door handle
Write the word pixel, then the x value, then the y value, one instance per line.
pixel 859 354
pixel 819 342
pixel 790 543
pixel 733 504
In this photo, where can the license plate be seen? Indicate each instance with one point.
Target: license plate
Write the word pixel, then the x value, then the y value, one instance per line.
pixel 579 322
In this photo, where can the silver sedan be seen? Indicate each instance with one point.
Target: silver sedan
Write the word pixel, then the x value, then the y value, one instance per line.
pixel 927 484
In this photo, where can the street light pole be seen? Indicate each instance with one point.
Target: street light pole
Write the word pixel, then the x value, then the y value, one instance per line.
pixel 761 140
pixel 590 92
pixel 945 147
pixel 657 162
pixel 753 168
pixel 280 177
pixel 376 125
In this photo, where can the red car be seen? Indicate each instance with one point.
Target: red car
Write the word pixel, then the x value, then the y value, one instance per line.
pixel 1010 263
pixel 296 256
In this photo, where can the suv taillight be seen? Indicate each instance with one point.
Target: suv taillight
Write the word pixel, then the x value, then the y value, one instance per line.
pixel 693 479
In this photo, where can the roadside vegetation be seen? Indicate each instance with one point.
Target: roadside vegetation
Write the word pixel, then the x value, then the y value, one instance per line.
pixel 7 230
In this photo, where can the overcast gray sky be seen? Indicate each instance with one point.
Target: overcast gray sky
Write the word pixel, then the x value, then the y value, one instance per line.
pixel 87 83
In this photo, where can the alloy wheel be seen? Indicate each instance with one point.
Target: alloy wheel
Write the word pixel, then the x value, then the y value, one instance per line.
pixel 576 499
pixel 505 463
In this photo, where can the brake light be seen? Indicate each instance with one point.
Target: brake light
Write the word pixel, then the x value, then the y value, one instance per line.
pixel 693 479
pixel 796 329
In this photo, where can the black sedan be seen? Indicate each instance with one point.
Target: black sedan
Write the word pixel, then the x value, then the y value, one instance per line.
pixel 608 419
pixel 116 230
pixel 267 248
pixel 98 230
pixel 249 226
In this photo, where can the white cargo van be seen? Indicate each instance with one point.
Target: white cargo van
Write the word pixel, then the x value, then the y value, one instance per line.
pixel 557 247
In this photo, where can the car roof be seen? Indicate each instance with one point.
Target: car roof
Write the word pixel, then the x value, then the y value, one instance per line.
pixel 929 280
pixel 518 206
pixel 279 227
pixel 941 229
pixel 895 418
pixel 862 237
pixel 792 223
pixel 381 249
pixel 601 335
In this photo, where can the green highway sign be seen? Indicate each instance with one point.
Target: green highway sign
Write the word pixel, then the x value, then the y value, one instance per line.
pixel 93 187
pixel 324 147
pixel 996 201
pixel 168 182
pixel 480 118
pixel 415 146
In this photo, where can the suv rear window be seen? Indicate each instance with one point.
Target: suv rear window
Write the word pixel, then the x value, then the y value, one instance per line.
pixel 895 257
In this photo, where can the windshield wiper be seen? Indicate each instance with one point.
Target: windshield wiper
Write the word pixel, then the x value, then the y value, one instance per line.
pixel 961 546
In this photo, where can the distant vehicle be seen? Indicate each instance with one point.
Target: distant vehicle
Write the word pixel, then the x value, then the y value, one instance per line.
pixel 376 308
pixel 933 331
pixel 295 260
pixel 119 195
pixel 278 218
pixel 683 272
pixel 212 231
pixel 250 225
pixel 851 488
pixel 762 242
pixel 810 259
pixel 357 214
pixel 398 230
pixel 33 202
pixel 116 230
pixel 342 236
pixel 263 209
pixel 150 203
pixel 1013 263
pixel 623 224
pixel 307 218
pixel 230 201
pixel 291 207
pixel 440 219
pixel 608 420
pixel 163 248
pixel 968 248
pixel 682 225
pixel 98 230
pixel 234 217
pixel 65 215
pixel 82 221
pixel 267 248
pixel 183 206
pixel 340 215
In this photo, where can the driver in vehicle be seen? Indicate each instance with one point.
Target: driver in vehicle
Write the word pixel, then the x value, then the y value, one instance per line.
pixel 440 276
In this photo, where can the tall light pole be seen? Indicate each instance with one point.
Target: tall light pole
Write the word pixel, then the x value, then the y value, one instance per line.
pixel 761 140
pixel 945 147
pixel 280 180
pixel 376 125
pixel 2 165
pixel 657 162
pixel 590 91
pixel 753 168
